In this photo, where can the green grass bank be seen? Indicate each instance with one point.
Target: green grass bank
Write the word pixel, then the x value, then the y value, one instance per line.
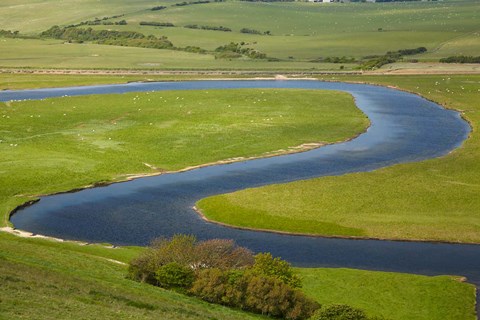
pixel 394 296
pixel 430 200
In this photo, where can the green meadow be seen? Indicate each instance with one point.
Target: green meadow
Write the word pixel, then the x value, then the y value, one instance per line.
pixel 64 143
pixel 430 200
pixel 391 295
pixel 300 33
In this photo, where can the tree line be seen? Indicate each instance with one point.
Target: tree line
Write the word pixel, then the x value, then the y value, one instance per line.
pixel 461 59
pixel 156 24
pixel 375 62
pixel 109 37
pixel 196 26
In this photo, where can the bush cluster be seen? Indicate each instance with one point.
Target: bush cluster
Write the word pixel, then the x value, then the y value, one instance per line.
pixel 196 26
pixel 343 59
pixel 253 31
pixel 219 271
pixel 9 34
pixel 341 312
pixel 375 62
pixel 156 24
pixel 253 292
pixel 461 59
pixel 102 21
pixel 158 8
pixel 109 37
pixel 236 50
pixel 184 3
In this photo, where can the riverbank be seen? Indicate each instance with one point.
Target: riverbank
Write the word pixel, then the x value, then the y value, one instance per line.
pixel 80 142
pixel 432 200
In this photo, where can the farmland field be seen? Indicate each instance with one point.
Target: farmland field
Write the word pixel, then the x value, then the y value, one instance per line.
pixel 302 34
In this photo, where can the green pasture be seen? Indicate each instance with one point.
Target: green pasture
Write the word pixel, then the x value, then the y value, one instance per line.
pixel 34 53
pixel 17 81
pixel 45 279
pixel 301 32
pixel 395 296
pixel 430 200
pixel 65 143
pixel 309 30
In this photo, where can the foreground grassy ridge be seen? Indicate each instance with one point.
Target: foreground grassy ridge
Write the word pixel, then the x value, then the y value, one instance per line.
pixel 395 296
pixel 65 143
pixel 431 200
pixel 48 280
pixel 44 279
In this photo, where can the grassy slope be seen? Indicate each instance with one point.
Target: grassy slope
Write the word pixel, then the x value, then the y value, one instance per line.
pixel 44 279
pixel 48 280
pixel 434 200
pixel 57 54
pixel 307 31
pixel 65 143
pixel 386 294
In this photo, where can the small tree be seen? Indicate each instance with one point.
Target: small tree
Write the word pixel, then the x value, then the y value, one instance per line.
pixel 223 254
pixel 174 275
pixel 266 265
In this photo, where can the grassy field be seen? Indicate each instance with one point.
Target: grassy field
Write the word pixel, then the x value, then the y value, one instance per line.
pixel 44 279
pixel 431 200
pixel 301 32
pixel 32 53
pixel 394 296
pixel 65 143
pixel 10 81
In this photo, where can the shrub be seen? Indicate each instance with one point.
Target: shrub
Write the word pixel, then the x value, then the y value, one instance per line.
pixel 174 275
pixel 210 285
pixel 178 249
pixel 9 34
pixel 186 251
pixel 158 8
pixel 235 50
pixel 339 312
pixel 252 292
pixel 251 31
pixel 277 268
pixel 223 254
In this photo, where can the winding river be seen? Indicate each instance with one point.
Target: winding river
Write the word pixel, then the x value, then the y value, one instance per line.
pixel 404 128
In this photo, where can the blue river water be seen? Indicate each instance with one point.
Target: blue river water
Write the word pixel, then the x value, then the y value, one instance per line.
pixel 404 128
